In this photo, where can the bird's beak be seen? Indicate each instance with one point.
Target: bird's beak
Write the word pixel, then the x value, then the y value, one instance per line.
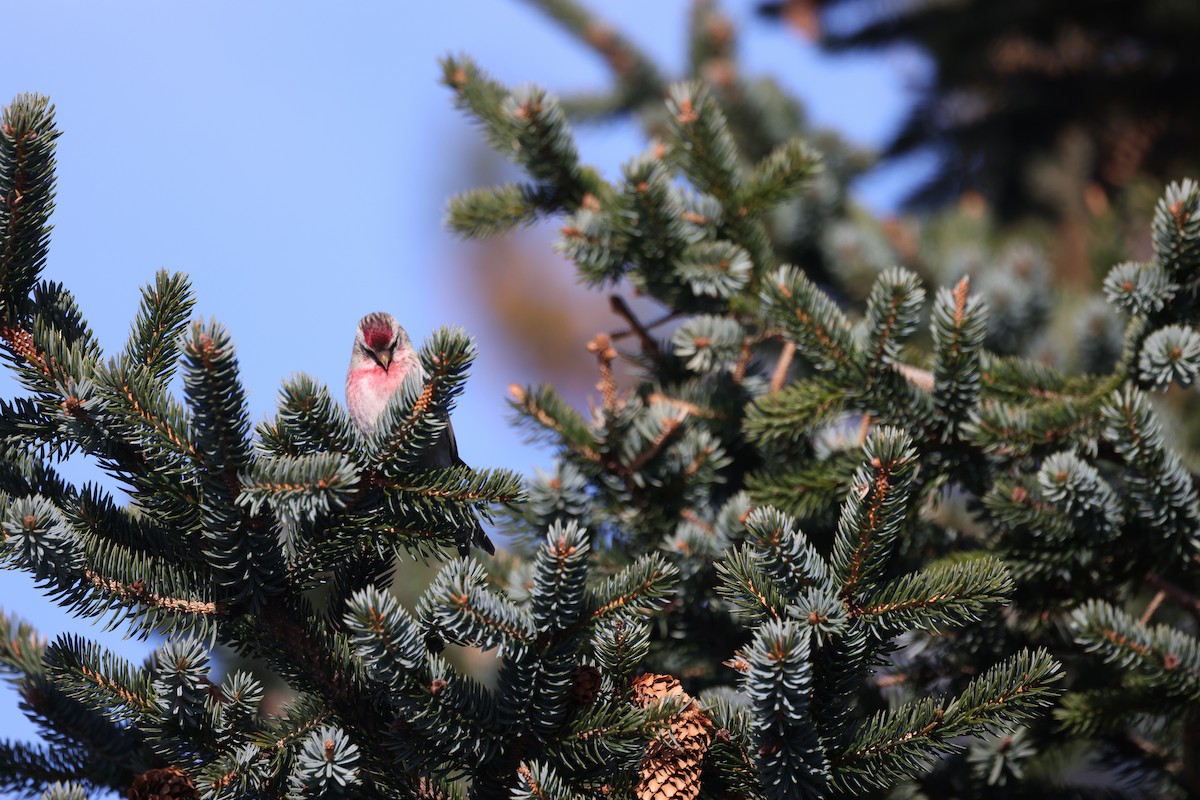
pixel 385 359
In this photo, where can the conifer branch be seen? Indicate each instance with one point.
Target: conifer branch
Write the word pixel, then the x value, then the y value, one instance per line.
pixel 893 310
pixel 904 740
pixel 793 410
pixel 325 671
pixel 1021 430
pixel 235 772
pixel 220 413
pixel 25 769
pixel 497 210
pixel 746 587
pixel 874 511
pixel 154 342
pixel 808 491
pixel 791 760
pixel 779 176
pixel 552 415
pixel 118 453
pixel 811 319
pixel 309 421
pixel 458 608
pixel 788 556
pixel 274 487
pixel 642 586
pixel 99 679
pixel 137 592
pixel 153 419
pixel 635 71
pixel 459 484
pixel 21 647
pixel 952 595
pixel 671 426
pixel 27 136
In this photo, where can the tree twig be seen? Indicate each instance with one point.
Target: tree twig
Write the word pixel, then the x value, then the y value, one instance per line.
pixel 1178 595
pixel 781 368
pixel 622 309
pixel 1152 606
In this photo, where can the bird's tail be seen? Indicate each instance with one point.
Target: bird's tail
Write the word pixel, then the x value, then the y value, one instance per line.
pixel 479 539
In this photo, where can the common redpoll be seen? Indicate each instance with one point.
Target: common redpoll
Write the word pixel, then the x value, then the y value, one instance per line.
pixel 383 357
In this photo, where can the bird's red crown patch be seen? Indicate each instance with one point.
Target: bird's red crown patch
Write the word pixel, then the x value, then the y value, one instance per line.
pixel 377 333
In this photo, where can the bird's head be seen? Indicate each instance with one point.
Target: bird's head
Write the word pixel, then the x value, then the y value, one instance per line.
pixel 379 340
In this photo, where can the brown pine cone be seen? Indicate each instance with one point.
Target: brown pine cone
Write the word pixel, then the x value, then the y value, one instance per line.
pixel 671 768
pixel 168 783
pixel 585 685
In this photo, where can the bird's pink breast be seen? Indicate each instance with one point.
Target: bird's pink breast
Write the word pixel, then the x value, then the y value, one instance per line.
pixel 368 391
pixel 378 378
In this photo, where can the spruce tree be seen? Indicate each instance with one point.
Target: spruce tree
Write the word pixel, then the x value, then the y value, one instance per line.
pixel 818 548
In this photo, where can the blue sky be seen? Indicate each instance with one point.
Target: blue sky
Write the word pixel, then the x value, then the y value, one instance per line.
pixel 295 158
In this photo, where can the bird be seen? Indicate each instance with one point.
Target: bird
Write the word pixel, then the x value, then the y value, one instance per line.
pixel 382 358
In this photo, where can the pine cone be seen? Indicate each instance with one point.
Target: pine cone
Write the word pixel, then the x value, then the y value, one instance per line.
pixel 168 783
pixel 428 789
pixel 585 685
pixel 671 767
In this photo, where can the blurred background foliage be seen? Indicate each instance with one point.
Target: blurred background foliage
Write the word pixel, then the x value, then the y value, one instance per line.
pixel 1053 128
